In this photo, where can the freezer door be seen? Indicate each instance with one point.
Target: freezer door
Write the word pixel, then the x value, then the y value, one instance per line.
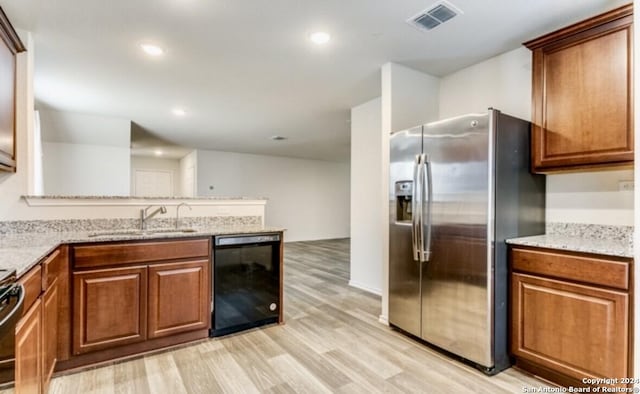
pixel 456 281
pixel 404 272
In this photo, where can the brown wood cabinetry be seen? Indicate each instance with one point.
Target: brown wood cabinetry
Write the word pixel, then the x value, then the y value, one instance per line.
pixel 179 298
pixel 55 274
pixel 40 340
pixel 110 308
pixel 582 94
pixel 123 253
pixel 130 297
pixel 32 282
pixel 50 301
pixel 570 314
pixel 28 370
pixel 10 45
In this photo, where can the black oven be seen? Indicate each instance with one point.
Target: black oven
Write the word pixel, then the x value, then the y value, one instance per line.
pixel 11 304
pixel 246 282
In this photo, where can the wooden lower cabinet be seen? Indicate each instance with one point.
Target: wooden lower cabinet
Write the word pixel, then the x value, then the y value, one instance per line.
pixel 178 298
pixel 50 310
pixel 110 308
pixel 28 365
pixel 38 332
pixel 580 331
pixel 131 297
pixel 571 314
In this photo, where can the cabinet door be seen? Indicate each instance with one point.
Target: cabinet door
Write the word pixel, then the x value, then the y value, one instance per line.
pixel 179 298
pixel 109 308
pixel 582 95
pixel 50 302
pixel 579 331
pixel 28 372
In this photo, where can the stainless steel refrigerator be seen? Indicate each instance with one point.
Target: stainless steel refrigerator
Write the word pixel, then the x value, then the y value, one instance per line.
pixel 458 189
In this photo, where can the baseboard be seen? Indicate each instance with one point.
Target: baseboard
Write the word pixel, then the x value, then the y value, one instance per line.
pixel 384 320
pixel 366 288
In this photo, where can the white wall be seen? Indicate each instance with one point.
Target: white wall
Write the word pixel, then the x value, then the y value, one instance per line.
pixel 308 197
pixel 14 185
pixel 77 128
pixel 590 197
pixel 504 82
pixel 85 170
pixel 409 98
pixel 154 163
pixel 85 154
pixel 37 155
pixel 189 175
pixel 366 194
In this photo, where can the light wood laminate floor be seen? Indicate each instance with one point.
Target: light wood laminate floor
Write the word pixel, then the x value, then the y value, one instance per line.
pixel 331 342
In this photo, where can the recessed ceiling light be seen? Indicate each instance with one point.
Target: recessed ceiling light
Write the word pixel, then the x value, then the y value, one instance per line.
pixel 278 138
pixel 152 50
pixel 157 152
pixel 320 37
pixel 179 112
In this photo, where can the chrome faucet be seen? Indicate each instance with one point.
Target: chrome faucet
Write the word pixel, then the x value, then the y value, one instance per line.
pixel 182 204
pixel 144 216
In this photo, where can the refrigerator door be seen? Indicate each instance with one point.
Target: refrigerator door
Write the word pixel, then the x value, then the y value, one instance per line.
pixel 404 271
pixel 456 281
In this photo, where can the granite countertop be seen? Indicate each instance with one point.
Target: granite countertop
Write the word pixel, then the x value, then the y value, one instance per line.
pixel 597 239
pixel 576 244
pixel 47 197
pixel 22 251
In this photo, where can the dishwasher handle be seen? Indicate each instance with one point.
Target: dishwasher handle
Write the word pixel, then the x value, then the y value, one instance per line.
pixel 247 239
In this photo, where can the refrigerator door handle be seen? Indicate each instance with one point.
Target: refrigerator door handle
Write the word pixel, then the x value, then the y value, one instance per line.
pixel 426 242
pixel 416 209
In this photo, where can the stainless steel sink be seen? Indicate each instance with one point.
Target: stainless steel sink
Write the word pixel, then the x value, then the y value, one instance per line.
pixel 143 232
pixel 172 230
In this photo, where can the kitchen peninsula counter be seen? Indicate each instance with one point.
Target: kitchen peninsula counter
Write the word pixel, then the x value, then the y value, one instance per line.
pixel 22 251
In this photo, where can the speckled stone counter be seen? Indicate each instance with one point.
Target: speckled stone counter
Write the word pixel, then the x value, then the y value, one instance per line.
pixel 222 198
pixel 586 238
pixel 22 251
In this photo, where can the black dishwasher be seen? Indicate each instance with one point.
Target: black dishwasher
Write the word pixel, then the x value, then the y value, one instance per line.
pixel 246 282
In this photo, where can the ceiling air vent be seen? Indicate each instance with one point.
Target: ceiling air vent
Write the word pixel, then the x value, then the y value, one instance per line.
pixel 434 16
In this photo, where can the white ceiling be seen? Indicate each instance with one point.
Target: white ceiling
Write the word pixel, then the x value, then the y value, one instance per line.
pixel 245 70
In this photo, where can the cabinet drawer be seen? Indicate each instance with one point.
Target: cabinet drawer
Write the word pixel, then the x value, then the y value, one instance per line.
pixel 119 253
pixel 574 267
pixel 51 268
pixel 32 282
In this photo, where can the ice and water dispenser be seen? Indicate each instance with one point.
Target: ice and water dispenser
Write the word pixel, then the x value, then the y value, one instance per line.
pixel 404 191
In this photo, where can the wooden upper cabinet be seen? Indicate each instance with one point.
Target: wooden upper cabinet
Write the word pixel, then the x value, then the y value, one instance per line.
pixel 582 94
pixel 10 45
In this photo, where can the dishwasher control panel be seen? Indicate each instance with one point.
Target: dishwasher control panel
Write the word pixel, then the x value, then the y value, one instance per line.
pixel 249 239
